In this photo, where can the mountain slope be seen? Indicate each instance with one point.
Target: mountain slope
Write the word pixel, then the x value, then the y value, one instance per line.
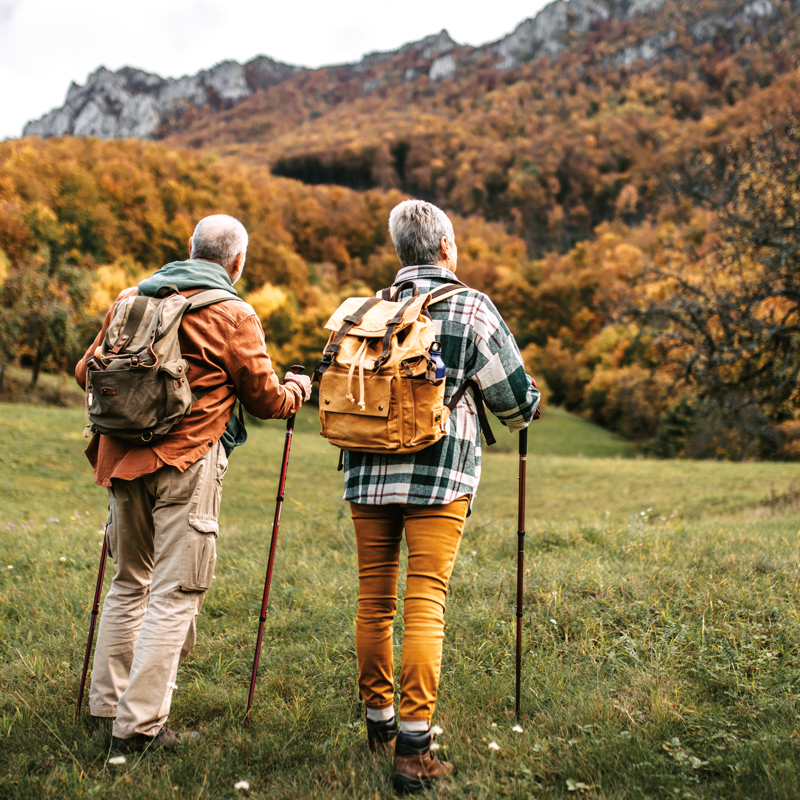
pixel 132 102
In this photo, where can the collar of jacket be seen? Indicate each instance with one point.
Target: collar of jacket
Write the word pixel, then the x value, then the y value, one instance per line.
pixel 426 271
pixel 192 274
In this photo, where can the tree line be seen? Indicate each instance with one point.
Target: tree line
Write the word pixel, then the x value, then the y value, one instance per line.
pixel 680 331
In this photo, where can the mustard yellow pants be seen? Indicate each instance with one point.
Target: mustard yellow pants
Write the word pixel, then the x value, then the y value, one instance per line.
pixel 433 534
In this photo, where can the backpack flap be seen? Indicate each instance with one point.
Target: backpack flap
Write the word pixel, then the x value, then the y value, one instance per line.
pixel 375 320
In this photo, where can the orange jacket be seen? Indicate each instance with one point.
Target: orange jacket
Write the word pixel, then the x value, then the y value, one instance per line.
pixel 225 348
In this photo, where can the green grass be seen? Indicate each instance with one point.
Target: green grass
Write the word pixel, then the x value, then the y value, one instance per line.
pixel 661 628
pixel 54 390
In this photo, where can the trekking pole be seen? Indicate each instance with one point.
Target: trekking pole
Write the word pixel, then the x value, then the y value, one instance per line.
pixel 523 457
pixel 95 611
pixel 297 369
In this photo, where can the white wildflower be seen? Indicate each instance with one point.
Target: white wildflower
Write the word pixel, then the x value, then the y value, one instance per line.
pixel 554 622
pixel 494 746
pixel 172 685
pixel 10 567
pixel 517 729
pixel 437 730
pixel 474 553
pixel 494 724
pixel 117 760
pixel 63 558
pixel 435 746
pixel 243 786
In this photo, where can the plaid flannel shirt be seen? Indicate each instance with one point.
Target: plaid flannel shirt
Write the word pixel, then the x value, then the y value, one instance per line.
pixel 476 344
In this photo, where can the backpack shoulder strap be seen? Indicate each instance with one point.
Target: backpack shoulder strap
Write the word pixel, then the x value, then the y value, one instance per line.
pixel 448 290
pixel 478 395
pixel 442 293
pixel 208 297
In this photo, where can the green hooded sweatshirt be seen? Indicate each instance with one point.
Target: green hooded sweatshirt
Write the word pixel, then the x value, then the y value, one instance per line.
pixel 191 274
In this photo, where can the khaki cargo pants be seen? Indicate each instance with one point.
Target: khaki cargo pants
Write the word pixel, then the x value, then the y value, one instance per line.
pixel 162 537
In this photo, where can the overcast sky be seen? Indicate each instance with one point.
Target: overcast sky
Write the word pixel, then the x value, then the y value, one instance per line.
pixel 46 44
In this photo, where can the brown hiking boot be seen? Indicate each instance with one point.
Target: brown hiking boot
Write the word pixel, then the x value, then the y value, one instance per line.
pixel 415 763
pixel 165 739
pixel 381 736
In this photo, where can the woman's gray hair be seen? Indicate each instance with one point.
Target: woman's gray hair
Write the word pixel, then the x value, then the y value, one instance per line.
pixel 219 238
pixel 417 228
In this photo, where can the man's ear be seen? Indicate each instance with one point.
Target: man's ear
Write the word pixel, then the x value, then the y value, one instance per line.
pixel 190 246
pixel 444 248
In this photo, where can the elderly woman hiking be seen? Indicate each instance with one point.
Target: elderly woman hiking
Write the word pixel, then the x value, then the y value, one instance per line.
pixel 427 493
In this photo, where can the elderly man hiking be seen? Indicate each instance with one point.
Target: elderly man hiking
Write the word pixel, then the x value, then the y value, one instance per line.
pixel 163 378
pixel 428 491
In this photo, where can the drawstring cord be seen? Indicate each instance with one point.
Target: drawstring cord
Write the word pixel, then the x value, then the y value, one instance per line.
pixel 359 359
pixel 361 404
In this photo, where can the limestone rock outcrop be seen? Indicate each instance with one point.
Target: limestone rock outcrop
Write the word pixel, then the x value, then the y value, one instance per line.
pixel 132 102
pixel 443 67
pixel 544 34
pixel 547 34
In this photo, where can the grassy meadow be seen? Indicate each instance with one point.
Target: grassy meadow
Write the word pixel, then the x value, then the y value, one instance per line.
pixel 661 628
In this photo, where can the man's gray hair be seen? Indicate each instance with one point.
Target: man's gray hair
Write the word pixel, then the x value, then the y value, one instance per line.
pixel 219 238
pixel 417 228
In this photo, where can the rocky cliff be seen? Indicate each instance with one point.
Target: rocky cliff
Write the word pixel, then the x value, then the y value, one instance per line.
pixel 131 102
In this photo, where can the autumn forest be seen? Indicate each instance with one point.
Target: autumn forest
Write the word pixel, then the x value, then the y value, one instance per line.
pixel 636 221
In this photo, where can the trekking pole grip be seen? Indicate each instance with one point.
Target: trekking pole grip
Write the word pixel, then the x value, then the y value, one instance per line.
pixel 297 369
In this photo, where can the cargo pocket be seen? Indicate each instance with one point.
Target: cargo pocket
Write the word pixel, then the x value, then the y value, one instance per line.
pixel 199 554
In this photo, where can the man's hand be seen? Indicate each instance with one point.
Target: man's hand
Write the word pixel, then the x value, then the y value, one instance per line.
pixel 303 381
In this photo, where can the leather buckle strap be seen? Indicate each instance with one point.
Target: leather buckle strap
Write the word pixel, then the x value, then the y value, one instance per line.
pixel 335 345
pixel 355 319
pixel 391 327
pixel 135 316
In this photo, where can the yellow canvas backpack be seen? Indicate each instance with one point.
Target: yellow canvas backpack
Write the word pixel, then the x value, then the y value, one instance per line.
pixel 379 387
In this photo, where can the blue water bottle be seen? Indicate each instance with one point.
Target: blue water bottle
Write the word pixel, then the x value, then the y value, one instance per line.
pixel 436 357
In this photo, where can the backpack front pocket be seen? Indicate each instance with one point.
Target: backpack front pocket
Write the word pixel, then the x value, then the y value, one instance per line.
pixel 122 401
pixel 346 424
pixel 423 403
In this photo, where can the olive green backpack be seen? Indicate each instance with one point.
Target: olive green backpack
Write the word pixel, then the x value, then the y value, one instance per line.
pixel 137 386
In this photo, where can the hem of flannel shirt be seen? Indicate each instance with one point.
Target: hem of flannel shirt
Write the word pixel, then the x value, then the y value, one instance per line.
pixel 390 498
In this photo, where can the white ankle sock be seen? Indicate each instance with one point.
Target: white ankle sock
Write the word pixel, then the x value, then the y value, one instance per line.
pixel 414 726
pixel 380 714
